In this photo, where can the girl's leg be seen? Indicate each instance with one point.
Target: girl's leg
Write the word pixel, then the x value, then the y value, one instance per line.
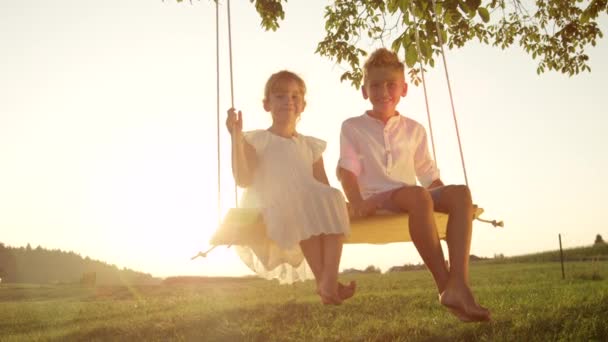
pixel 332 252
pixel 313 250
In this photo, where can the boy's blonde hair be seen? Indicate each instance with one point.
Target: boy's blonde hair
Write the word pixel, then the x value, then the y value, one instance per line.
pixel 382 58
pixel 280 76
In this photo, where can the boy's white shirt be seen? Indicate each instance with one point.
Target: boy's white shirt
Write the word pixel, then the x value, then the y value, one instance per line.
pixel 386 157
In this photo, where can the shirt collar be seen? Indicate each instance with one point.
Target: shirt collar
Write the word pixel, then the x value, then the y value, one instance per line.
pixel 392 122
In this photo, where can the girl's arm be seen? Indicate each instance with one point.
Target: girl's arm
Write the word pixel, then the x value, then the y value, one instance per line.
pixel 244 158
pixel 318 171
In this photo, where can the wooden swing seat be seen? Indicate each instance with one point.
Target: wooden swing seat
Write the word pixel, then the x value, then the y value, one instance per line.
pixel 245 226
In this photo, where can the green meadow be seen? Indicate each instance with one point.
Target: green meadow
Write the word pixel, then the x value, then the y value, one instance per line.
pixel 529 300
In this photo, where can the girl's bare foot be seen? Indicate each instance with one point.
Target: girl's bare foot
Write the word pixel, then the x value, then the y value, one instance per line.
pixel 459 300
pixel 347 291
pixel 329 293
pixel 329 299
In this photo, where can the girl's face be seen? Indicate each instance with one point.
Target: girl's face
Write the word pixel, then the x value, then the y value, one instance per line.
pixel 285 102
pixel 384 88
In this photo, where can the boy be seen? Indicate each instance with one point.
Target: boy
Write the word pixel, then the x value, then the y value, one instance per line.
pixel 381 155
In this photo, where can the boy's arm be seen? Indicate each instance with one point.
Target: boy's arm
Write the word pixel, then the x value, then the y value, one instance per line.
pixel 358 206
pixel 436 183
pixel 348 168
pixel 350 185
pixel 426 168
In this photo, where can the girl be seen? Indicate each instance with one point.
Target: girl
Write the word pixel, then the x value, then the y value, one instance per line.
pixel 283 172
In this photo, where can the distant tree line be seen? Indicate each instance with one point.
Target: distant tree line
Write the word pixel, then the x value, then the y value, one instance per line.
pixel 401 268
pixel 44 266
pixel 368 269
pixel 595 252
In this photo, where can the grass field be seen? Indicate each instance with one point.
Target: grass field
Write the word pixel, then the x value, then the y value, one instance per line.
pixel 530 302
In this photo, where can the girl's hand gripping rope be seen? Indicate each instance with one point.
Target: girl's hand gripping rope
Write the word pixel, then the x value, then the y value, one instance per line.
pixel 234 121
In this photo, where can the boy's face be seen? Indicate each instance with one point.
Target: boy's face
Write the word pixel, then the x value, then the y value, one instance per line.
pixel 384 88
pixel 285 102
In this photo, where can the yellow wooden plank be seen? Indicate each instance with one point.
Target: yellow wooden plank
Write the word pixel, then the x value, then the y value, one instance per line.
pixel 245 226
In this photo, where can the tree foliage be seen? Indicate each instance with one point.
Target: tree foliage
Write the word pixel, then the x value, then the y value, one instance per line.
pixel 43 266
pixel 556 33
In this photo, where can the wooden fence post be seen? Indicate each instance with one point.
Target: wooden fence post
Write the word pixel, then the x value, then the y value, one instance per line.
pixel 561 255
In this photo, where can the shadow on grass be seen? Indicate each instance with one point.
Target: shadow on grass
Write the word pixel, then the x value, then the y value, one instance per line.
pixel 256 323
pixel 32 293
pixel 377 315
pixel 42 327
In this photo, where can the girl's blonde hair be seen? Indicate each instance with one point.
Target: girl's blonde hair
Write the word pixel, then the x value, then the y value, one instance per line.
pixel 382 58
pixel 280 76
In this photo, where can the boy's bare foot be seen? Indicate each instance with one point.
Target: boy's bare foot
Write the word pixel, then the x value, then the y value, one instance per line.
pixel 459 300
pixel 346 291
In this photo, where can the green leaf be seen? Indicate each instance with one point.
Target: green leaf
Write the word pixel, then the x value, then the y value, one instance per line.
pixel 391 6
pixel 438 8
pixel 411 56
pixel 404 5
pixel 473 4
pixel 407 39
pixel 451 4
pixel 484 14
pixel 585 17
pixel 427 50
pixel 463 6
pixel 396 45
pixel 444 36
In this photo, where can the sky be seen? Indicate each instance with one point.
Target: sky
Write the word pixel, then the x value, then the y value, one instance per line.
pixel 109 145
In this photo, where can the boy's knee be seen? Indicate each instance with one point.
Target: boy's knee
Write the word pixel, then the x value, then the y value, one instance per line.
pixel 459 196
pixel 414 198
pixel 463 193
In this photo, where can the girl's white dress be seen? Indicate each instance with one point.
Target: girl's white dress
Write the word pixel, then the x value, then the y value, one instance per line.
pixel 295 206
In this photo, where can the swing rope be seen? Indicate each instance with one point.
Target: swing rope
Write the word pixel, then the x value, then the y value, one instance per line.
pixel 217 106
pixel 217 82
pixel 447 77
pixel 234 160
pixel 441 43
pixel 428 113
pixel 426 99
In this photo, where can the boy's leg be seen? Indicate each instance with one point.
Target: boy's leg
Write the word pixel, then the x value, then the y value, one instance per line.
pixel 455 200
pixel 417 202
